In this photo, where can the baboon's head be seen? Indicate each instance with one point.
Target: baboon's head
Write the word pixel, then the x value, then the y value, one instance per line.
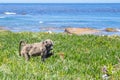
pixel 48 44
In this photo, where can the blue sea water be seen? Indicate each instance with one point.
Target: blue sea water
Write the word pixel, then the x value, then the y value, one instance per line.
pixel 55 17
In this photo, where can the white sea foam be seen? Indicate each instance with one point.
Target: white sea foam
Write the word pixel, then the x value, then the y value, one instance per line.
pixel 40 22
pixel 9 13
pixel 118 30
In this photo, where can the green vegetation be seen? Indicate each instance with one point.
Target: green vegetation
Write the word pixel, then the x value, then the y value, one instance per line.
pixel 75 57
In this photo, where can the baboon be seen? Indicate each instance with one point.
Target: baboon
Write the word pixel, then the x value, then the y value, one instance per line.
pixel 42 49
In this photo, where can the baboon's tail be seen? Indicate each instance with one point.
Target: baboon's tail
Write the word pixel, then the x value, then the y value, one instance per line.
pixel 21 43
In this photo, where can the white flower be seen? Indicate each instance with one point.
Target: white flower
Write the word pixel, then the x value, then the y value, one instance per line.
pixel 105 77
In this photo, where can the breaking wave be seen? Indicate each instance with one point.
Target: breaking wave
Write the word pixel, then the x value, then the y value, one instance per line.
pixel 40 22
pixel 9 13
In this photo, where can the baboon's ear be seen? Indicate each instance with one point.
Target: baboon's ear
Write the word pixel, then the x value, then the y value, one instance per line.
pixel 52 43
pixel 46 41
pixel 43 42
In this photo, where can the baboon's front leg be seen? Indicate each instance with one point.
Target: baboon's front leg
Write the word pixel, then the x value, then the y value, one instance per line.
pixel 43 56
pixel 49 54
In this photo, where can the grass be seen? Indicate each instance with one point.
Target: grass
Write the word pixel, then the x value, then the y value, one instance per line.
pixel 84 56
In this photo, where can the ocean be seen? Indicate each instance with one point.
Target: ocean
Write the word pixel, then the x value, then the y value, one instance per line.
pixel 56 17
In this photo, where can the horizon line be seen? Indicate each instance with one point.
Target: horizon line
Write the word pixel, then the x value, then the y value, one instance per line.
pixel 61 3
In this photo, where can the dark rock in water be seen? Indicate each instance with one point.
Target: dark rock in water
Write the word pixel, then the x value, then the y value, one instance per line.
pixel 23 13
pixel 79 31
pixel 111 30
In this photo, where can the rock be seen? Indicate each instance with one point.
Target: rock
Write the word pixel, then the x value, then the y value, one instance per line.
pixel 79 31
pixel 111 30
pixel 3 29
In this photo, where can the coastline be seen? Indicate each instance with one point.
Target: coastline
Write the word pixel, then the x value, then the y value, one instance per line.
pixel 74 30
pixel 3 29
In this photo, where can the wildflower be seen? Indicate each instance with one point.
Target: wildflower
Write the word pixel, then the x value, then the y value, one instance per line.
pixel 61 56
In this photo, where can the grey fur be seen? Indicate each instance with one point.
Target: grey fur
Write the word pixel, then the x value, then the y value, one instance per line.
pixel 42 49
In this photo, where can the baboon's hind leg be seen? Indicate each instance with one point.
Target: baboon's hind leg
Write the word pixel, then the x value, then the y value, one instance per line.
pixel 27 57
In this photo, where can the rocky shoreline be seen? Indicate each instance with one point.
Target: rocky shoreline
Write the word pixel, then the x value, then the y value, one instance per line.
pixel 3 29
pixel 77 31
pixel 81 31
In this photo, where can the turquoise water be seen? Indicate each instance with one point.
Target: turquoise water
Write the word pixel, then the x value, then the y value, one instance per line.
pixel 56 17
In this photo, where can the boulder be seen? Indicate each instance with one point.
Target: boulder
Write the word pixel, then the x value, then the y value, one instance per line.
pixel 79 31
pixel 111 30
pixel 2 29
